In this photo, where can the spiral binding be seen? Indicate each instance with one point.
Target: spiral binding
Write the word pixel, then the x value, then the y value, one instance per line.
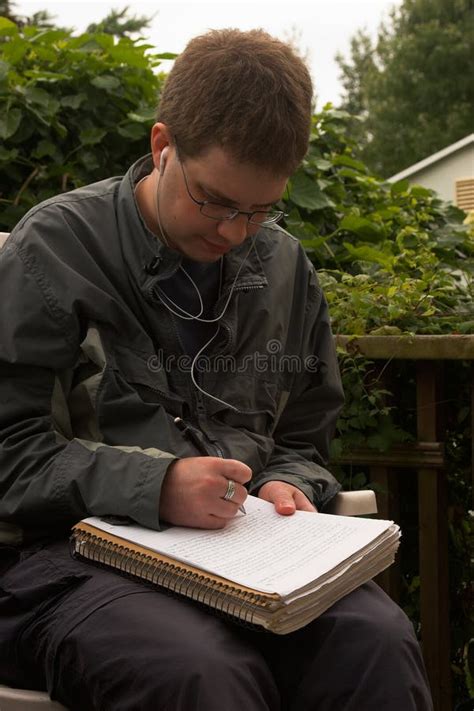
pixel 224 598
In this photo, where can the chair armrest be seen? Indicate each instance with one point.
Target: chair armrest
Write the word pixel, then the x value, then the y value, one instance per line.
pixel 22 700
pixel 353 503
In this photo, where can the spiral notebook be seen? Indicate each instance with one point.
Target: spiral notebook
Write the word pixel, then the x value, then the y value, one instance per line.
pixel 276 572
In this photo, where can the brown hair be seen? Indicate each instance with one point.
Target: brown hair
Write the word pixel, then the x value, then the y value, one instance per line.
pixel 244 91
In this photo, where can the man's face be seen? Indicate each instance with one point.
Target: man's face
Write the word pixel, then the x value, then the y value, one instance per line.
pixel 215 177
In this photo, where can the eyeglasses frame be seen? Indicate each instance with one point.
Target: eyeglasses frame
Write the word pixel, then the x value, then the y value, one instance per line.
pixel 233 212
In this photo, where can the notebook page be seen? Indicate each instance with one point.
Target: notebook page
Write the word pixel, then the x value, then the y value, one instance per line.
pixel 262 550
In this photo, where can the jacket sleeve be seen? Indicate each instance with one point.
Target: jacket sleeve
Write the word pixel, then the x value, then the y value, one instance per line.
pixel 309 410
pixel 47 480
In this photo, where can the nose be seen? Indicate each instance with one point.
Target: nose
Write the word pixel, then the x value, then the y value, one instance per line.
pixel 235 231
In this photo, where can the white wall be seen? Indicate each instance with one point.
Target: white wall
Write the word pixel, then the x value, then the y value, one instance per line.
pixel 442 175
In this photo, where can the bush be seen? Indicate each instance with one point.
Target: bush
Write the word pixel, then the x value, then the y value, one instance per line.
pixel 392 258
pixel 74 110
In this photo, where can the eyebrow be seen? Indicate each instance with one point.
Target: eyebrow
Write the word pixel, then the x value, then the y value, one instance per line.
pixel 219 196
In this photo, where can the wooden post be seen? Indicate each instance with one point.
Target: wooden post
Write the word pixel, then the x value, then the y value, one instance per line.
pixel 387 505
pixel 472 435
pixel 432 507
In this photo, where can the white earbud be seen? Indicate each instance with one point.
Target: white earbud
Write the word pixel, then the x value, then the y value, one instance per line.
pixel 164 154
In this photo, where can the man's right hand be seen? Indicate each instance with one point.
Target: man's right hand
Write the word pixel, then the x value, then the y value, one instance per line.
pixel 194 487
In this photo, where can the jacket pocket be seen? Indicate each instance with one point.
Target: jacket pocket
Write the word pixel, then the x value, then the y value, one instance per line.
pixel 32 586
pixel 146 373
pixel 34 579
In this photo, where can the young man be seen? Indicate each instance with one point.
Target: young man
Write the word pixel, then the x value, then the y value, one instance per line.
pixel 114 296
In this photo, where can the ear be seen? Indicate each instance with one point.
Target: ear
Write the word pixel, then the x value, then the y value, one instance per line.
pixel 164 154
pixel 160 139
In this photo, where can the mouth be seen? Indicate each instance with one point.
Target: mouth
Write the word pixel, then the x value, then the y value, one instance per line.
pixel 218 249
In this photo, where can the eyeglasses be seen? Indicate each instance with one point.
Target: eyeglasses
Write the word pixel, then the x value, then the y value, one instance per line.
pixel 218 211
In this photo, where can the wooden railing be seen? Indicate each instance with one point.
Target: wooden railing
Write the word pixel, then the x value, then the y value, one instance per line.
pixel 425 458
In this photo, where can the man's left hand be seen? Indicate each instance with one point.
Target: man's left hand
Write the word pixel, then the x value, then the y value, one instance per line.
pixel 286 498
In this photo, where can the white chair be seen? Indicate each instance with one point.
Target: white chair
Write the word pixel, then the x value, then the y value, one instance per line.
pixel 22 700
pixel 346 503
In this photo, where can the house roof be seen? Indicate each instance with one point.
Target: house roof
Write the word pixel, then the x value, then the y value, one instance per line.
pixel 434 158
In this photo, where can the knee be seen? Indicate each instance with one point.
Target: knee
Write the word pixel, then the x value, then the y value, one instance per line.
pixel 369 624
pixel 389 626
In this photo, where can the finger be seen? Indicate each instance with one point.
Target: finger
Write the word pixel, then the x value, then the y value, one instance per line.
pixel 285 505
pixel 214 522
pixel 280 494
pixel 233 469
pixel 225 509
pixel 302 502
pixel 285 497
pixel 239 495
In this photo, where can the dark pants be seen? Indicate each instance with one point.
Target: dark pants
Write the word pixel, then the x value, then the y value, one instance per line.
pixel 100 642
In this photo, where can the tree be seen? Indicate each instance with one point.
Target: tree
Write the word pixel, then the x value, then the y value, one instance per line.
pixel 6 10
pixel 39 19
pixel 413 86
pixel 118 23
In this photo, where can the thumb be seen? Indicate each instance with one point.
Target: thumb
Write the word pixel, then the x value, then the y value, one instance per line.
pixel 281 495
pixel 285 505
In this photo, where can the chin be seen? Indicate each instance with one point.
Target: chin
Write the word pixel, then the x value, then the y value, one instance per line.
pixel 205 259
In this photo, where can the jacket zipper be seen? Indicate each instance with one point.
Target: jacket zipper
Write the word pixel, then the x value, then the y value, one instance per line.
pixel 197 437
pixel 201 413
pixel 249 288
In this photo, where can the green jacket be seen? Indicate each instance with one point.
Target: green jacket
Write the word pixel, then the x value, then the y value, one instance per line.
pixel 92 374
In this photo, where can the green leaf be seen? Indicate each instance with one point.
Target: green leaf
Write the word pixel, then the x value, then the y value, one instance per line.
pixel 49 36
pixel 419 191
pixel 322 164
pixel 386 331
pixel 42 75
pixel 338 114
pixel 129 57
pixel 305 192
pixel 9 123
pixel 369 254
pixel 91 136
pixel 85 43
pixel 4 69
pixel 41 97
pixel 143 116
pixel 449 239
pixel 7 156
pixel 336 448
pixel 362 227
pixel 401 186
pixel 106 82
pixel 44 148
pixel 14 50
pixel 165 55
pixel 135 131
pixel 466 327
pixel 7 27
pixel 313 243
pixel 89 160
pixel 350 163
pixel 73 101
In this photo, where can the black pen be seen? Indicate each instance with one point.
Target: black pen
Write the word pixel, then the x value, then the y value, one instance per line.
pixel 190 433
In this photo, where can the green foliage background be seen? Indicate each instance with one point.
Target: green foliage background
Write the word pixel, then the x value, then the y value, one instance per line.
pixel 412 87
pixel 393 259
pixel 75 109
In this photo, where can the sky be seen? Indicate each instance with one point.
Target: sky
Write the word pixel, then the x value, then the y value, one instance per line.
pixel 322 27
